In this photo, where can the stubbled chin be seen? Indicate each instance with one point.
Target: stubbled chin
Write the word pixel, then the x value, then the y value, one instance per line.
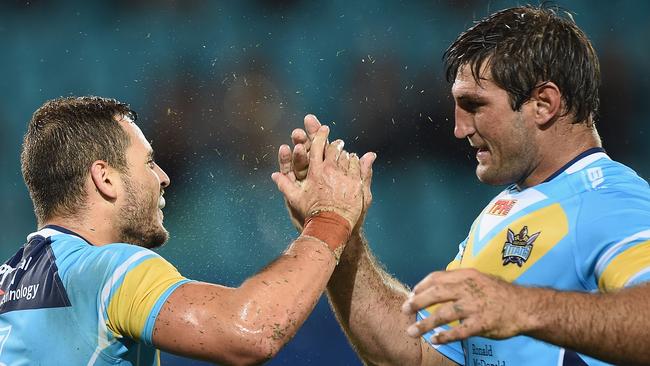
pixel 483 174
pixel 480 172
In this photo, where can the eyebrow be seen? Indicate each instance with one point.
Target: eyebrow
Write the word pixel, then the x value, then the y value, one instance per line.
pixel 469 97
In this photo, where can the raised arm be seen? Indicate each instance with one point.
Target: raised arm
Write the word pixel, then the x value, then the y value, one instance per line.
pixel 250 323
pixel 365 298
pixel 367 303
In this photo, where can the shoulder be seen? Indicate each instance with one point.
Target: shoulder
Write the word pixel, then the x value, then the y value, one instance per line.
pixel 614 207
pixel 602 188
pixel 614 192
pixel 607 176
pixel 78 259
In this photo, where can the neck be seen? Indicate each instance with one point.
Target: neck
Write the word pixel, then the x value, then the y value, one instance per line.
pixel 97 233
pixel 562 143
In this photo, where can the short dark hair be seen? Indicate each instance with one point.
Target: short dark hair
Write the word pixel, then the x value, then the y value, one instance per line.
pixel 526 46
pixel 64 137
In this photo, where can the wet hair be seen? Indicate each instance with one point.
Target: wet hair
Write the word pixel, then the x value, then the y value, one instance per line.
pixel 64 137
pixel 526 46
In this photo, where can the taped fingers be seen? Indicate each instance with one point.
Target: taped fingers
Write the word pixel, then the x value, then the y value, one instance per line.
pixel 354 167
pixel 334 149
pixel 344 160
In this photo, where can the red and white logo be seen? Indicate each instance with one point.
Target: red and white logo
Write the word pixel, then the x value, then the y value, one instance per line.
pixel 502 207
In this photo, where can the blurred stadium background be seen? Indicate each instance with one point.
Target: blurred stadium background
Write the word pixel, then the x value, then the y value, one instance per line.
pixel 220 85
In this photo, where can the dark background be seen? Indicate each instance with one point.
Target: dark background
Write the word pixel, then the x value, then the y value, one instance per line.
pixel 219 86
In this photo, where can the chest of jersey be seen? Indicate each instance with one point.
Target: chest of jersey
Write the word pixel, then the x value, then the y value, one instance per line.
pixel 524 239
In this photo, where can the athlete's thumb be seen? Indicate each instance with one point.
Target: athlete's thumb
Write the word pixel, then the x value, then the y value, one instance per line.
pixel 285 185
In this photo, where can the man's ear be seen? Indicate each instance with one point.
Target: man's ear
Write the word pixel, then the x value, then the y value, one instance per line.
pixel 547 100
pixel 104 178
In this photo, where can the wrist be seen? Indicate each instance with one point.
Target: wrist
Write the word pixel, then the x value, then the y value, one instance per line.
pixel 330 228
pixel 357 238
pixel 355 247
pixel 539 305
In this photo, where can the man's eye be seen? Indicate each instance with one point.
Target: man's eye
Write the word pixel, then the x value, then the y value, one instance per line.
pixel 151 164
pixel 471 106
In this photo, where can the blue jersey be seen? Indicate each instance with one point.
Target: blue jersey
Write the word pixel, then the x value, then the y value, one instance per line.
pixel 585 229
pixel 64 301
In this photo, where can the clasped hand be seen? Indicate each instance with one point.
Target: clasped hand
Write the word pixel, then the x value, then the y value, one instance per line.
pixel 321 176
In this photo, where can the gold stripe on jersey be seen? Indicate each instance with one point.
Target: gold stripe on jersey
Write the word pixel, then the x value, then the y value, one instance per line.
pixel 551 221
pixel 625 265
pixel 133 301
pixel 455 264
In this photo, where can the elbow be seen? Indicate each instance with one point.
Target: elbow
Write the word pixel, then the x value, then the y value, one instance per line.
pixel 261 353
pixel 266 344
pixel 255 353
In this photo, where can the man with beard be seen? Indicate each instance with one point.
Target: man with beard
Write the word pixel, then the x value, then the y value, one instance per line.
pixel 555 269
pixel 87 290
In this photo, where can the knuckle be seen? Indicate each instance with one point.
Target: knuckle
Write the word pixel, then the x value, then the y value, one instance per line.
pixel 448 336
pixel 445 337
pixel 462 333
pixel 448 313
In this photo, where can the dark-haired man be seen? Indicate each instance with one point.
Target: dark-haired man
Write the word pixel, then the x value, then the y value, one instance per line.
pixel 554 269
pixel 86 289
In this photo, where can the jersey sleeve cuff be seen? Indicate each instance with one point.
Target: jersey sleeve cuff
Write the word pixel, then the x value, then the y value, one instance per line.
pixel 453 351
pixel 147 333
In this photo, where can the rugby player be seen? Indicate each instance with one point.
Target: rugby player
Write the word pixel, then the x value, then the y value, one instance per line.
pixel 554 270
pixel 86 288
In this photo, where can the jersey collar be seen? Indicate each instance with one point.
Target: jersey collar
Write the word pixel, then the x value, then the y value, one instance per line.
pixel 566 166
pixel 49 230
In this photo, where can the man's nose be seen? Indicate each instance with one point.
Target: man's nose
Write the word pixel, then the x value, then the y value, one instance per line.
pixel 164 178
pixel 463 124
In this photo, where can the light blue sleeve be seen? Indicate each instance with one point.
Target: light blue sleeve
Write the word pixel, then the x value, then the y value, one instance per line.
pixel 453 351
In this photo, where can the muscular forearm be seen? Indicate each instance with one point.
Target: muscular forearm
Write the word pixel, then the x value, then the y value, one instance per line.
pixel 367 304
pixel 612 327
pixel 280 298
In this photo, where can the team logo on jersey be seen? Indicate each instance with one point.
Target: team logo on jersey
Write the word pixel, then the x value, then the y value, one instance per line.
pixel 518 247
pixel 502 207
